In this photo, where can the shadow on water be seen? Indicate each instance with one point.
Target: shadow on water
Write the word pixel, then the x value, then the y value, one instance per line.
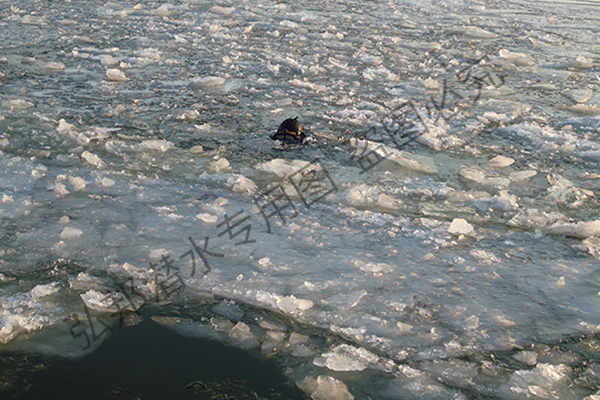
pixel 148 361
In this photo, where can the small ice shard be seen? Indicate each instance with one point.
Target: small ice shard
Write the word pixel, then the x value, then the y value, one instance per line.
pixel 39 171
pixel 530 219
pixel 308 85
pixel 388 202
pixel 522 175
pixel 503 201
pixel 471 174
pixel 221 324
pixel 545 381
pixel 242 336
pixel 432 84
pixel 346 358
pixel 219 165
pixel 97 301
pixel 585 109
pixel 163 11
pixel 561 282
pixel 325 388
pixel 460 226
pixel 55 66
pixel 70 233
pixel 156 144
pixel 208 82
pixel 7 199
pixel 579 230
pixel 197 149
pixel 484 257
pixel 403 328
pixel 500 161
pixel 107 182
pixel 581 63
pixel 241 184
pixel 222 10
pixel 64 220
pixel 519 59
pixel 108 61
pixel 291 304
pixel 17 104
pixel 78 183
pixel 93 159
pixel 578 95
pixel 281 167
pixel 65 127
pixel 60 189
pixel 207 218
pixel 116 75
pixel 406 160
pixel 592 245
pixel 478 33
pixel 528 358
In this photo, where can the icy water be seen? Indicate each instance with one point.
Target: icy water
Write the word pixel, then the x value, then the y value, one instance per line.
pixel 438 238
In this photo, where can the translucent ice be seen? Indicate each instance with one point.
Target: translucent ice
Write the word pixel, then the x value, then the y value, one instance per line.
pixel 325 388
pixel 460 226
pixel 519 59
pixel 347 358
pixel 579 230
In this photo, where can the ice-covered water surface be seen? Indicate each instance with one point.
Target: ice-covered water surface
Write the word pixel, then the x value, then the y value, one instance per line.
pixel 134 150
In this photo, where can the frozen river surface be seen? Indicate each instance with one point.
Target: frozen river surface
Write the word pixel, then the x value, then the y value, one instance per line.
pixel 438 238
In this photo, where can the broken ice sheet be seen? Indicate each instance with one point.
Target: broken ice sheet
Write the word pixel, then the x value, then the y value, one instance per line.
pixel 346 357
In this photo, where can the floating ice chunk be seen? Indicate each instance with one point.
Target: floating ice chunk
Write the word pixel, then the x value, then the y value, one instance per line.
pixel 7 199
pixel 403 328
pixel 291 304
pixel 108 61
pixel 163 11
pixel 460 226
pixel 308 85
pixel 17 104
pixel 472 174
pixel 77 183
pixel 579 230
pixel 592 245
pixel 221 324
pixel 55 66
pixel 501 161
pixel 478 33
pixel 207 218
pixel 528 358
pixel 347 358
pixel 44 290
pixel 241 184
pixel 64 220
pixel 242 336
pixel 503 201
pixel 484 257
pixel 578 95
pixel 544 381
pixel 207 82
pixel 281 167
pixel 409 161
pixel 325 388
pixel 60 189
pixel 93 159
pixel 432 84
pixel 222 10
pixel 149 53
pixel 453 372
pixel 197 149
pixel 564 192
pixel 156 144
pixel 219 165
pixel 64 127
pixel 586 109
pixel 580 62
pixel 107 182
pixel 347 300
pixel 531 219
pixel 522 175
pixel 116 75
pixel 98 301
pixel 519 59
pixel 70 233
pixel 388 202
pixel 39 171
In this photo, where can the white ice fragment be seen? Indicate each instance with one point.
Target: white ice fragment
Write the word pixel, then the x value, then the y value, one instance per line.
pixel 471 173
pixel 149 53
pixel 478 33
pixel 93 159
pixel 581 62
pixel 207 218
pixel 530 218
pixel 308 85
pixel 222 10
pixel 116 75
pixel 44 290
pixel 219 165
pixel 561 282
pixel 55 66
pixel 241 184
pixel 388 202
pixel 578 95
pixel 98 301
pixel 325 388
pixel 347 358
pixel 242 335
pixel 197 149
pixel 7 199
pixel 500 161
pixel 64 127
pixel 503 201
pixel 156 144
pixel 107 182
pixel 60 189
pixel 519 59
pixel 522 175
pixel 291 304
pixel 484 257
pixel 544 381
pixel 471 323
pixel 579 230
pixel 586 109
pixel 592 246
pixel 17 104
pixel 408 161
pixel 108 61
pixel 432 84
pixel 39 171
pixel 64 220
pixel 207 82
pixel 403 328
pixel 70 233
pixel 528 358
pixel 281 167
pixel 163 11
pixel 78 183
pixel 460 226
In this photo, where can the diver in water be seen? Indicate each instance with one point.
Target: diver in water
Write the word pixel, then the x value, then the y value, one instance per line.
pixel 290 131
